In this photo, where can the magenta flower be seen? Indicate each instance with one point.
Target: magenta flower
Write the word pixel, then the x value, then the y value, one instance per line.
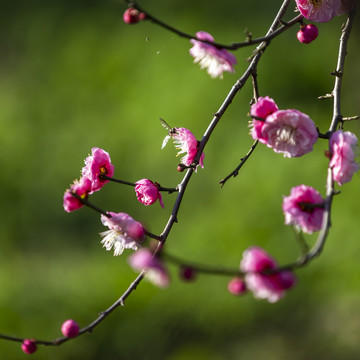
pixel 215 60
pixel 82 188
pixel 307 33
pixel 98 163
pixel 124 232
pixel 70 328
pixel 156 272
pixel 290 132
pixel 264 107
pixel 320 10
pixel 186 142
pixel 28 346
pixel 270 286
pixel 133 16
pixel 147 192
pixel 342 146
pixel 299 209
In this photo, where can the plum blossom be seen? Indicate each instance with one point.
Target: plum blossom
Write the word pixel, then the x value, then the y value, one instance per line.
pixel 80 187
pixel 270 286
pixel 342 146
pixel 307 33
pixel 210 57
pixel 299 209
pixel 98 163
pixel 147 192
pixel 321 10
pixel 264 107
pixel 290 132
pixel 124 232
pixel 186 142
pixel 156 272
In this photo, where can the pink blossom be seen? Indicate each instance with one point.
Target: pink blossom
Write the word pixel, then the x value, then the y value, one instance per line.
pixel 147 192
pixel 70 328
pixel 299 209
pixel 133 16
pixel 237 286
pixel 320 10
pixel 215 60
pixel 186 142
pixel 290 132
pixel 28 346
pixel 98 163
pixel 156 272
pixel 342 146
pixel 124 232
pixel 270 286
pixel 307 33
pixel 264 107
pixel 82 188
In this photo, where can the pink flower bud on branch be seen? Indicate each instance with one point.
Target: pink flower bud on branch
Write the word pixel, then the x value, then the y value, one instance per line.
pixel 70 328
pixel 147 192
pixel 133 16
pixel 28 346
pixel 237 287
pixel 307 33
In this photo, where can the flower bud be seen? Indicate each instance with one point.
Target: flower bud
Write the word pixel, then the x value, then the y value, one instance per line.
pixel 28 346
pixel 133 16
pixel 70 328
pixel 187 273
pixel 307 33
pixel 237 286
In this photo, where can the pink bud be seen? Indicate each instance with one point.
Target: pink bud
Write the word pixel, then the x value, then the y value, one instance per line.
pixel 70 328
pixel 28 346
pixel 133 16
pixel 187 273
pixel 307 33
pixel 237 286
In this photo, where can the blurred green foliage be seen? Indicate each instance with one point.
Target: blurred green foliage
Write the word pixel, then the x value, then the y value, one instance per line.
pixel 73 76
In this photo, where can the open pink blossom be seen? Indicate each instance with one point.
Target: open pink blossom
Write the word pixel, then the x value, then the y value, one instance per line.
pixel 264 107
pixel 299 209
pixel 155 270
pixel 290 132
pixel 307 33
pixel 215 60
pixel 97 164
pixel 320 10
pixel 270 286
pixel 186 142
pixel 124 232
pixel 342 146
pixel 82 188
pixel 147 192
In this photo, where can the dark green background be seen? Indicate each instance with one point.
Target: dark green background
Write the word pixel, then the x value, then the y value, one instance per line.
pixel 74 76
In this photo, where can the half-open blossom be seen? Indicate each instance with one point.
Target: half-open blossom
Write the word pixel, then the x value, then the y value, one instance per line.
pixel 28 346
pixel 320 10
pixel 124 232
pixel 70 328
pixel 307 33
pixel 300 208
pixel 80 187
pixel 264 107
pixel 270 286
pixel 156 272
pixel 97 164
pixel 237 286
pixel 147 192
pixel 186 142
pixel 342 146
pixel 290 132
pixel 210 57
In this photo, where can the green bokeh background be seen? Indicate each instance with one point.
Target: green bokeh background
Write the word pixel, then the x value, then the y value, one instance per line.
pixel 74 76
